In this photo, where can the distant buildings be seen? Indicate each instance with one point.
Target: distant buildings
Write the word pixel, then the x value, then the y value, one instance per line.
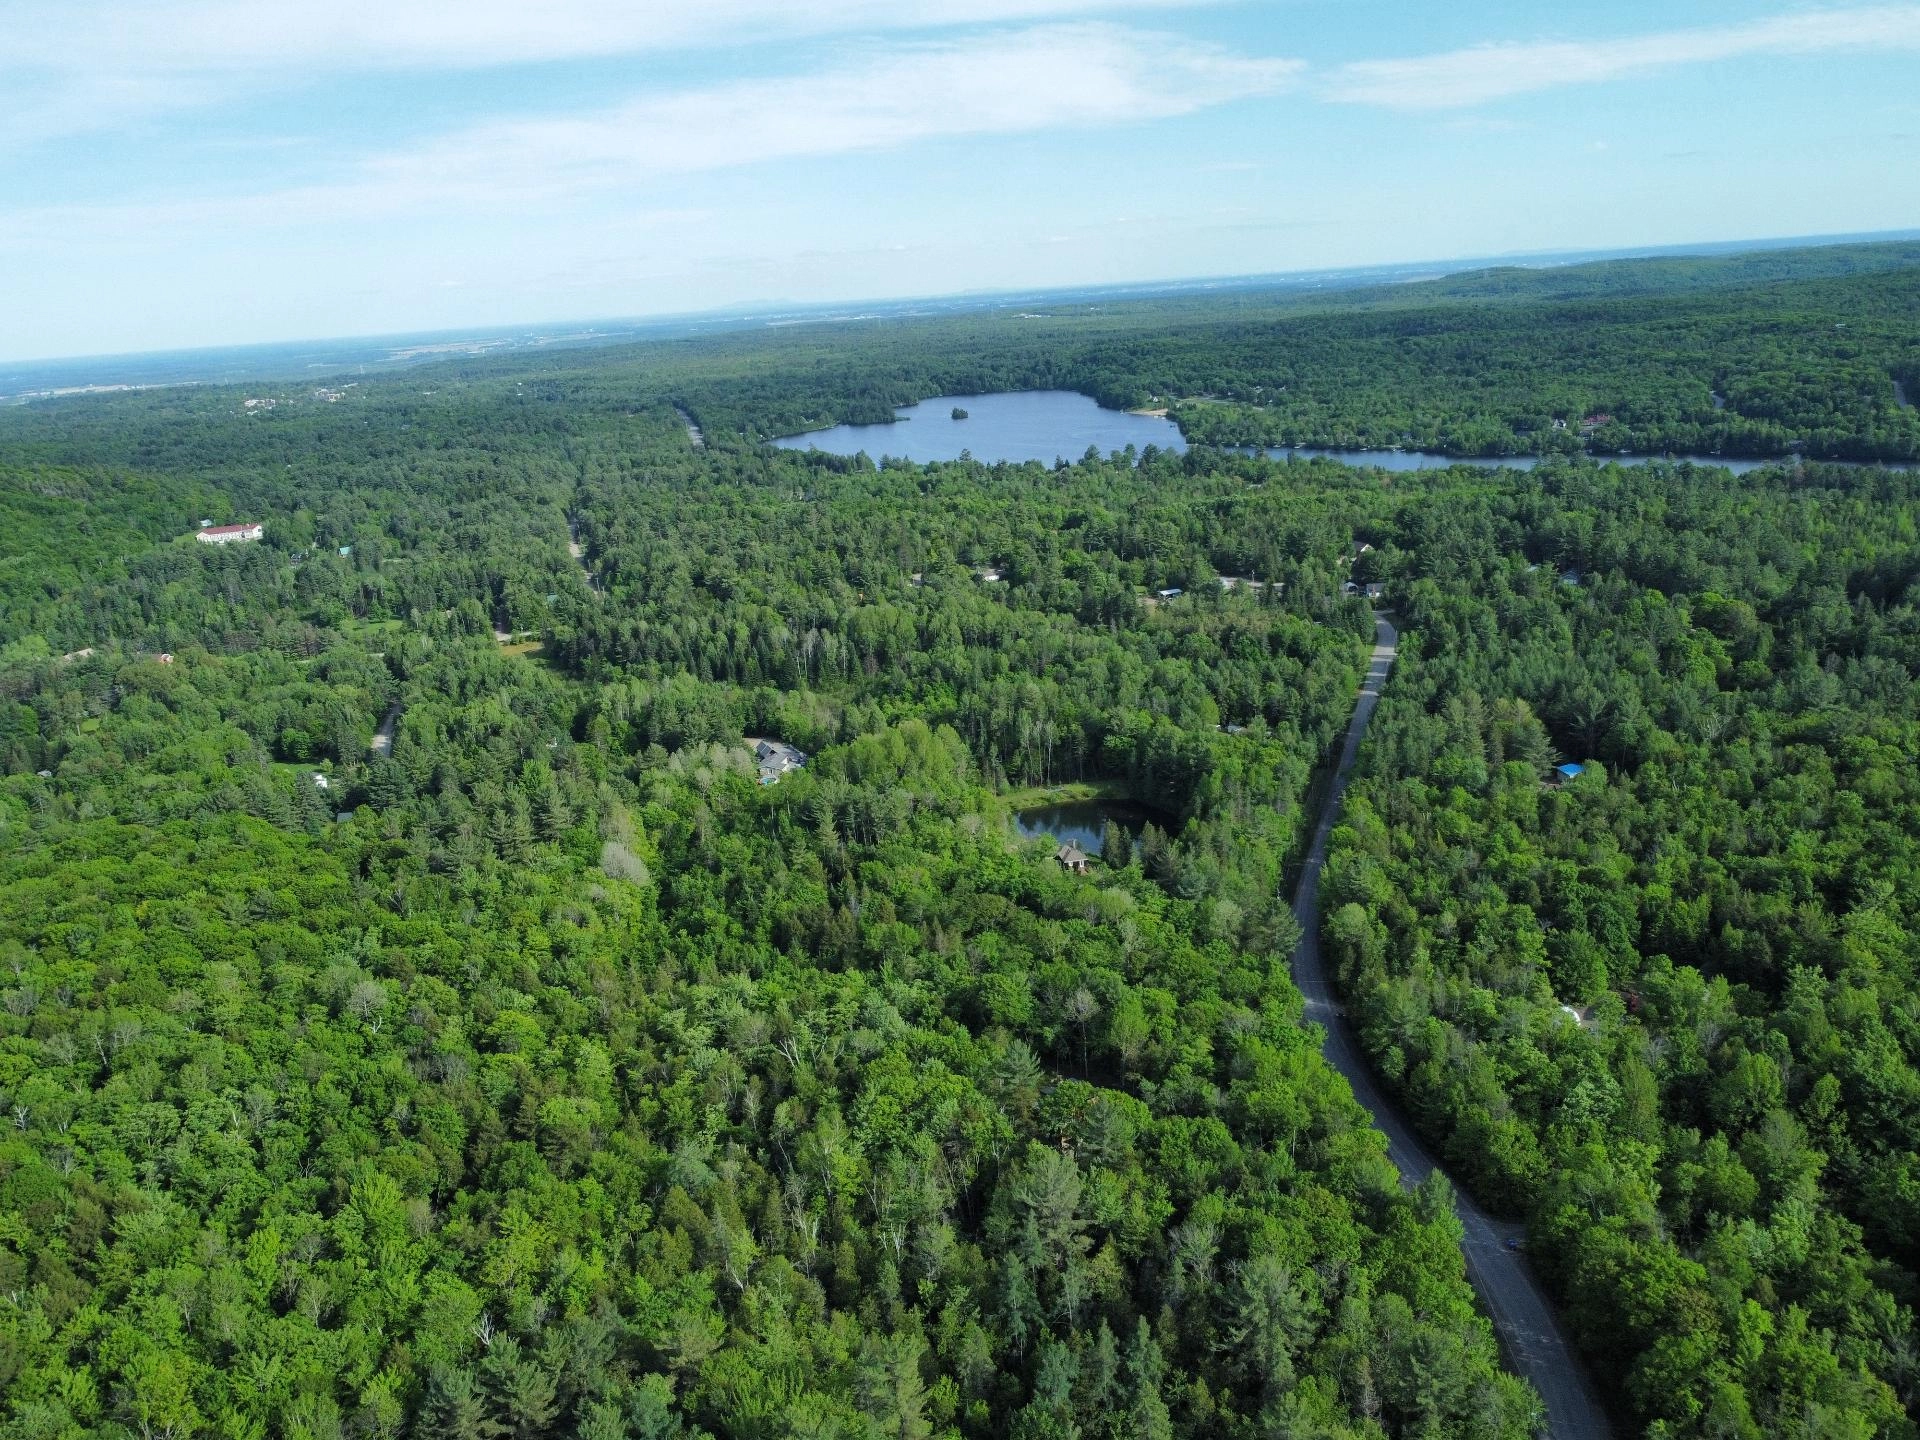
pixel 229 534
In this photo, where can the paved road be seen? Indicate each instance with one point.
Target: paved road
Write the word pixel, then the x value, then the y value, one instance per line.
pixel 1530 1334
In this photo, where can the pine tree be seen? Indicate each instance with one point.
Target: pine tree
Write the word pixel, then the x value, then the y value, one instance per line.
pixel 1147 1416
pixel 522 1389
pixel 455 1408
pixel 511 830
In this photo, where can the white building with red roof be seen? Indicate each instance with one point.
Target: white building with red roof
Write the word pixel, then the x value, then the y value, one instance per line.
pixel 229 534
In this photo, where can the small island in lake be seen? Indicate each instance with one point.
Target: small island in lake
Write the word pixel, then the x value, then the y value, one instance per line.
pixel 958 413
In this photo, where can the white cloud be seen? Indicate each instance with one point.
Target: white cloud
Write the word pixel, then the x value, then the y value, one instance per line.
pixel 1494 72
pixel 883 97
pixel 1000 83
pixel 93 66
pixel 128 43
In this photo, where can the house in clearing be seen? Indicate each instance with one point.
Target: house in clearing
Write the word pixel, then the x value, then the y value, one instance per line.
pixel 775 758
pixel 1561 774
pixel 229 534
pixel 1072 857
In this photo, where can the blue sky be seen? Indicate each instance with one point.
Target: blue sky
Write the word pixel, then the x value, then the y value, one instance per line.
pixel 200 172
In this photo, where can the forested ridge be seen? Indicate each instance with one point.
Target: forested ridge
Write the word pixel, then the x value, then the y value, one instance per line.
pixel 543 1073
pixel 1750 355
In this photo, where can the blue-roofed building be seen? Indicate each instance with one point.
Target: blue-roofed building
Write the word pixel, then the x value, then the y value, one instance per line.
pixel 1563 773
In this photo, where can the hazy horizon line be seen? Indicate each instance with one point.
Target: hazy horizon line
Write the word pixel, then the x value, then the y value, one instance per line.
pixel 776 307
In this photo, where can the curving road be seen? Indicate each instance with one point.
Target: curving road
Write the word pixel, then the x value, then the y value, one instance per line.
pixel 1530 1334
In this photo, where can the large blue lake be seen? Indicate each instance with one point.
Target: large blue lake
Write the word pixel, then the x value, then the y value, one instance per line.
pixel 1043 425
pixel 1049 425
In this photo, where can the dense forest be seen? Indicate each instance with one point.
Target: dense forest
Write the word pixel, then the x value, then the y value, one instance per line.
pixel 419 1018
pixel 1668 1009
pixel 545 1074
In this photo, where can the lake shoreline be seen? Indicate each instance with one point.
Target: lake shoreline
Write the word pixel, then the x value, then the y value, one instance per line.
pixel 1045 426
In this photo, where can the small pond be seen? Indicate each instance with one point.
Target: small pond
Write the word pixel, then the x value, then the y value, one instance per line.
pixel 1084 821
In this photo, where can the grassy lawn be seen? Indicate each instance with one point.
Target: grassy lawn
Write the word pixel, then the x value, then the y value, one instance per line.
pixel 1030 795
pixel 353 625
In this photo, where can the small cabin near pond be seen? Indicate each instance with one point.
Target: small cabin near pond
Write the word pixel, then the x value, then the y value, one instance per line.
pixel 1072 857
